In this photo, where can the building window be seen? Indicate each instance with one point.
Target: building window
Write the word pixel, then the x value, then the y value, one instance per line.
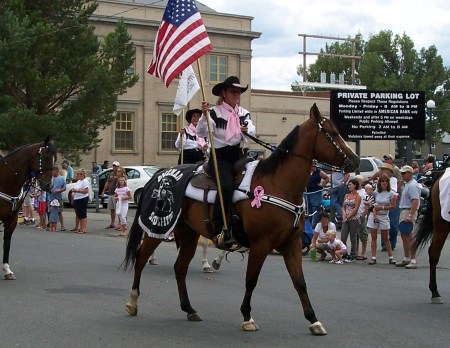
pixel 124 131
pixel 218 68
pixel 169 130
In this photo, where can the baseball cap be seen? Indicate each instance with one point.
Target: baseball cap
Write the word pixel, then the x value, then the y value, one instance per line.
pixel 388 157
pixel 116 163
pixel 405 169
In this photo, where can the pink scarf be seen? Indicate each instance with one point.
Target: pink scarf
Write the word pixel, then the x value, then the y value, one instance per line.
pixel 200 140
pixel 233 125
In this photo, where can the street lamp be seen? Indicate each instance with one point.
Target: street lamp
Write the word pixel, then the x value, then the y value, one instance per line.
pixel 430 107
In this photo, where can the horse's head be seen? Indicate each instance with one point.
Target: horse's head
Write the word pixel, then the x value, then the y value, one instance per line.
pixel 43 161
pixel 329 147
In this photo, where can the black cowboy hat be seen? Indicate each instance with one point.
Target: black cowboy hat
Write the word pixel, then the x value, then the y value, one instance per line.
pixel 190 113
pixel 232 81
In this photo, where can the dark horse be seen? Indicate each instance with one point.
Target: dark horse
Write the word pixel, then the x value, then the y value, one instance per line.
pixel 17 168
pixel 283 175
pixel 433 227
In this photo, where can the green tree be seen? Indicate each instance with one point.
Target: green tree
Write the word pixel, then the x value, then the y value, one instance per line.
pixel 390 62
pixel 57 77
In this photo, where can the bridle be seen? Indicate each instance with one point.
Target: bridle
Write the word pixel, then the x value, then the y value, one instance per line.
pixel 333 142
pixel 27 178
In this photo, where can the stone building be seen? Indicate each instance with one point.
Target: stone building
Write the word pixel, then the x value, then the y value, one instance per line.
pixel 145 127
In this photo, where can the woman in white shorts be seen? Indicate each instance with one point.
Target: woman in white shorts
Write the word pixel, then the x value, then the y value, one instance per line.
pixel 379 217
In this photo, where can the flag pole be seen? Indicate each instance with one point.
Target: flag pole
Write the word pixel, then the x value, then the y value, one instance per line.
pixel 213 151
pixel 182 139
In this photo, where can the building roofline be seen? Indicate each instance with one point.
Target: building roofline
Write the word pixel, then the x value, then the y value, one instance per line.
pixel 308 94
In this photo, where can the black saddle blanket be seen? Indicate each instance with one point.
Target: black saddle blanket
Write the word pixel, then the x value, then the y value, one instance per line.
pixel 162 200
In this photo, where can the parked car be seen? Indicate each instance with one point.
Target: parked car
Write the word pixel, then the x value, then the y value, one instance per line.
pixel 368 166
pixel 69 187
pixel 137 177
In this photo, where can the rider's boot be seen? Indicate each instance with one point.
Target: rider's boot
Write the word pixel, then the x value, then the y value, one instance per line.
pixel 225 239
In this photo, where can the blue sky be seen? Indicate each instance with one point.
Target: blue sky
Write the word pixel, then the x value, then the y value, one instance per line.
pixel 276 52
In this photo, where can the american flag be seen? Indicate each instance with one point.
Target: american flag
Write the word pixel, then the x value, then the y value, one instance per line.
pixel 181 39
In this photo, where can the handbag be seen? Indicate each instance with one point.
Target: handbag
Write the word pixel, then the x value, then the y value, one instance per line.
pixel 54 203
pixel 118 206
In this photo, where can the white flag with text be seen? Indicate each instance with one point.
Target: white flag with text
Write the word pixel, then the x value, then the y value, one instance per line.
pixel 187 87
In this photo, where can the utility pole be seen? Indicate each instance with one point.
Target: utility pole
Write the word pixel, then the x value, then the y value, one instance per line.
pixel 353 57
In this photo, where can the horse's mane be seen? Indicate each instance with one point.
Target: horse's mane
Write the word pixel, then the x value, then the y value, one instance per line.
pixel 52 148
pixel 278 157
pixel 11 153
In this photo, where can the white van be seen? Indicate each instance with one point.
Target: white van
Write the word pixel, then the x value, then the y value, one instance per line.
pixel 369 166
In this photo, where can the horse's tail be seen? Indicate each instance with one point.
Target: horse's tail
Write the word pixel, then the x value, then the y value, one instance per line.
pixel 425 230
pixel 134 240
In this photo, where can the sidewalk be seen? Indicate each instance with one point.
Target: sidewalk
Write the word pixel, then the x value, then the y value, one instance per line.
pixel 97 222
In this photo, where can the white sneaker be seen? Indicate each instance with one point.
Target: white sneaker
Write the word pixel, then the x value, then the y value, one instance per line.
pixel 411 265
pixel 332 261
pixel 340 262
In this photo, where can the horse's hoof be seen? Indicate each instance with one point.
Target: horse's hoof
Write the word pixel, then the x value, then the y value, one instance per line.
pixel 437 300
pixel 194 317
pixel 207 269
pixel 317 329
pixel 10 276
pixel 216 265
pixel 132 310
pixel 250 325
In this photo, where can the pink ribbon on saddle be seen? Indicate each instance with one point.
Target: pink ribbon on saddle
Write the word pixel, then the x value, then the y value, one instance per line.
pixel 258 192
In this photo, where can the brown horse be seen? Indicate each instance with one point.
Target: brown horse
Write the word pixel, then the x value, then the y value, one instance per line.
pixel 19 167
pixel 432 227
pixel 283 176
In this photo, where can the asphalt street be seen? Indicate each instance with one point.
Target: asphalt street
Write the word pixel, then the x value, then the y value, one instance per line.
pixel 70 292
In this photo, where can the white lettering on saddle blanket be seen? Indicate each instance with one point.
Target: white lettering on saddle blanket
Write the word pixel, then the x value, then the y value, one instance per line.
pixel 175 173
pixel 163 213
pixel 161 220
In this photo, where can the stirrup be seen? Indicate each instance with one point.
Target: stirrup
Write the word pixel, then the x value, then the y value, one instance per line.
pixel 225 240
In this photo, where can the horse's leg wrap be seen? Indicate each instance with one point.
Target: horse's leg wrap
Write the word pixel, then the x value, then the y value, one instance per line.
pixel 317 329
pixel 206 266
pixel 131 307
pixel 250 325
pixel 218 260
pixel 9 275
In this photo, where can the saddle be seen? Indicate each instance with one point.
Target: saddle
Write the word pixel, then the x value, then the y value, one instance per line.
pixel 203 179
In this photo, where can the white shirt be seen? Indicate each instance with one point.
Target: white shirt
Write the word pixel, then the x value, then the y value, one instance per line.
pixel 189 140
pixel 219 131
pixel 362 207
pixel 337 245
pixel 122 192
pixel 321 232
pixel 79 185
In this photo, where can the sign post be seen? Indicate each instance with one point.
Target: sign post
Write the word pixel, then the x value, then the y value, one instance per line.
pixel 94 184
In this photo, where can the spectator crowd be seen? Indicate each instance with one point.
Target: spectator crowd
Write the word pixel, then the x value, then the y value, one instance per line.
pixel 386 204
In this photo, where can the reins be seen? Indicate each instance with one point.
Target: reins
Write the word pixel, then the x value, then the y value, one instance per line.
pixel 274 148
